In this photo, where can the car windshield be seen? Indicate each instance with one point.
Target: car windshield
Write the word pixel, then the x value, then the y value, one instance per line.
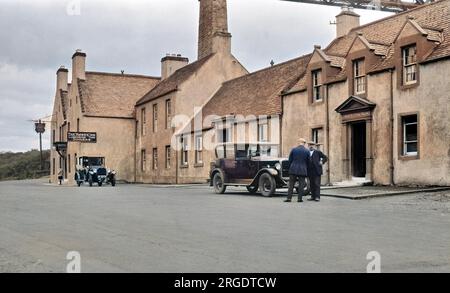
pixel 92 161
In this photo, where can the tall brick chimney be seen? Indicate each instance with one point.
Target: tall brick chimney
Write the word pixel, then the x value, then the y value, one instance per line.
pixel 62 78
pixel 78 65
pixel 213 35
pixel 346 21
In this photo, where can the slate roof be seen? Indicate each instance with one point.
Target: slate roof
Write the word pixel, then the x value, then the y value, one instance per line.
pixel 432 19
pixel 257 93
pixel 112 95
pixel 171 83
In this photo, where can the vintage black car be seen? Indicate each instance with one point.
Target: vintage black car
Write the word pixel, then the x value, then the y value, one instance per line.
pixel 92 170
pixel 255 166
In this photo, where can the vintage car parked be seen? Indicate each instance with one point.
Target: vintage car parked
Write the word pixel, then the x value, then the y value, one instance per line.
pixel 255 166
pixel 92 170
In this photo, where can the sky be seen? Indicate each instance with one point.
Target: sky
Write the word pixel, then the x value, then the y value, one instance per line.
pixel 38 36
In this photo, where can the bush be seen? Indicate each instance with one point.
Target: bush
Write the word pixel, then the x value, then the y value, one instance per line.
pixel 27 165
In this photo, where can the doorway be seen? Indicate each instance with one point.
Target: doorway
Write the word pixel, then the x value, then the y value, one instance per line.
pixel 359 149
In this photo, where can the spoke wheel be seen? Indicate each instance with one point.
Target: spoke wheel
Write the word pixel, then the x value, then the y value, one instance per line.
pixel 218 183
pixel 267 185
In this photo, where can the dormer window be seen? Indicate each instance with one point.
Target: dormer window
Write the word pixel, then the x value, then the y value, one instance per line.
pixel 409 65
pixel 359 77
pixel 317 85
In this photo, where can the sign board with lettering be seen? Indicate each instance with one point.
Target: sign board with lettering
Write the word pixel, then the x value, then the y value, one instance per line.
pixel 85 137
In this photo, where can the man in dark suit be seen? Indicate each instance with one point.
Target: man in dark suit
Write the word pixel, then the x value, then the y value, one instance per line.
pixel 315 171
pixel 298 169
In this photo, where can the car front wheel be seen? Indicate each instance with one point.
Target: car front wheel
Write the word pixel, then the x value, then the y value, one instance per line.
pixel 218 183
pixel 267 185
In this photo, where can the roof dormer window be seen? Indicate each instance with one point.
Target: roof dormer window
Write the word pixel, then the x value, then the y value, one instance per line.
pixel 317 85
pixel 359 77
pixel 409 65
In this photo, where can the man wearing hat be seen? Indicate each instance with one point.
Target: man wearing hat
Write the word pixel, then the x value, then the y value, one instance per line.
pixel 315 170
pixel 298 169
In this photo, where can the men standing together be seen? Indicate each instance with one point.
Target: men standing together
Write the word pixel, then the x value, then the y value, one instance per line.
pixel 304 163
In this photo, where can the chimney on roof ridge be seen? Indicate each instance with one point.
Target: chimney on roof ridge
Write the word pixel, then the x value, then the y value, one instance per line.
pixel 78 65
pixel 171 63
pixel 317 47
pixel 346 21
pixel 62 78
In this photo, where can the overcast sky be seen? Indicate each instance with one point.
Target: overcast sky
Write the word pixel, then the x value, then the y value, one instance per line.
pixel 37 36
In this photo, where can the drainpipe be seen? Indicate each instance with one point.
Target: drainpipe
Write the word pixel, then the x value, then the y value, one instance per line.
pixel 327 125
pixel 392 180
pixel 280 128
pixel 176 162
pixel 135 150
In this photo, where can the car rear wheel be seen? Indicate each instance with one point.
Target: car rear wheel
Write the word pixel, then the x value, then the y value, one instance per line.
pixel 267 185
pixel 252 189
pixel 218 183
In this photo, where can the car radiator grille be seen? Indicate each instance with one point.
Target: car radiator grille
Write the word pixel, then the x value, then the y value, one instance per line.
pixel 285 169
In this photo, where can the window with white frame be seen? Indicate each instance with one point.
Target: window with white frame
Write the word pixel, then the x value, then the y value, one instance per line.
pixel 168 113
pixel 409 65
pixel 224 135
pixel 263 131
pixel 317 85
pixel 184 151
pixel 143 121
pixel 143 160
pixel 168 156
pixel 359 76
pixel 410 135
pixel 155 159
pixel 316 135
pixel 199 149
pixel 155 117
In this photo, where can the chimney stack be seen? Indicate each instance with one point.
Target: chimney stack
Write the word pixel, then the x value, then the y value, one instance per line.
pixel 62 79
pixel 78 65
pixel 346 21
pixel 213 35
pixel 171 63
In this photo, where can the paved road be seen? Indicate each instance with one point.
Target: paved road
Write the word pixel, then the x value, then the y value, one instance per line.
pixel 138 228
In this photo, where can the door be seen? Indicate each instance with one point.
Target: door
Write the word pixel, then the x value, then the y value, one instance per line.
pixel 359 149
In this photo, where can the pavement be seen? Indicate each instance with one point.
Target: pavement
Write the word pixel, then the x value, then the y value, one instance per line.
pixel 140 228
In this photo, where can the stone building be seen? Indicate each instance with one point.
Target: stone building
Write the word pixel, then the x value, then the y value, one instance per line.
pixel 99 103
pixel 183 88
pixel 377 98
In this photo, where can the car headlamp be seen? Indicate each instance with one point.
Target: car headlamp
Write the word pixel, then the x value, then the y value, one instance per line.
pixel 278 166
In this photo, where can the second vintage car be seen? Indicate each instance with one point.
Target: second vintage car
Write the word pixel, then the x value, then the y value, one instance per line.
pixel 255 166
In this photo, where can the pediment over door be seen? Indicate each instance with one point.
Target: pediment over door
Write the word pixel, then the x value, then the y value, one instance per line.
pixel 356 108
